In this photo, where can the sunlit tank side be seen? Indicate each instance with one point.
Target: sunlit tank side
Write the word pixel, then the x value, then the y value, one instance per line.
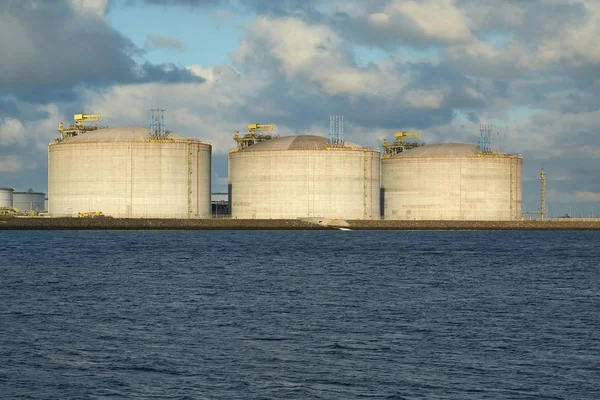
pixel 452 182
pixel 6 197
pixel 302 177
pixel 123 172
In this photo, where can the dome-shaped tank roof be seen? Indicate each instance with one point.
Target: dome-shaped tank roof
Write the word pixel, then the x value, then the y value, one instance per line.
pixel 118 134
pixel 440 150
pixel 300 142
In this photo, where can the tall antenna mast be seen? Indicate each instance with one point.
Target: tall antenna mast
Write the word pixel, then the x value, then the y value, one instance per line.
pixel 485 144
pixel 157 129
pixel 336 131
pixel 542 195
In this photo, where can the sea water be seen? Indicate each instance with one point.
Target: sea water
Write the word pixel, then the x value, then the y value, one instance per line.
pixel 299 314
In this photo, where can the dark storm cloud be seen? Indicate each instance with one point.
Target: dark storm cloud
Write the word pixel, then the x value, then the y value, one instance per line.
pixel 48 49
pixel 166 73
pixel 303 106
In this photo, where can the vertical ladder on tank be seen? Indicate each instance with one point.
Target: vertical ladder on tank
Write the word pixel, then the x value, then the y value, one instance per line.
pixel 510 167
pixel 190 173
pixel 365 185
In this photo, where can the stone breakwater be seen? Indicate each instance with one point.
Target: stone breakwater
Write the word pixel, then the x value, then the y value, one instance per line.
pixel 273 224
pixel 557 224
pixel 152 224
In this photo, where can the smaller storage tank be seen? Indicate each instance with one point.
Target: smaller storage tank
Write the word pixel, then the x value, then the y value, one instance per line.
pixel 6 197
pixel 29 201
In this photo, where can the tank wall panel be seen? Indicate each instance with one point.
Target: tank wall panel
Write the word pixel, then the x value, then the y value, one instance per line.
pixel 291 184
pixel 130 179
pixel 452 188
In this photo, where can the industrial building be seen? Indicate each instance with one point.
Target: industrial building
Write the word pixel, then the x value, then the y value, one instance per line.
pixel 220 205
pixel 21 203
pixel 451 182
pixel 139 172
pixel 303 176
pixel 128 172
pixel 29 201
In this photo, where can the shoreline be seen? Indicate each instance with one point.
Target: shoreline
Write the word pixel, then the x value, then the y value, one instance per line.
pixel 48 223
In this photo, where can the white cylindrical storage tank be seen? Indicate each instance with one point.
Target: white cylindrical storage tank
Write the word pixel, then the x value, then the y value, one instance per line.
pixel 29 201
pixel 6 197
pixel 452 182
pixel 124 173
pixel 302 177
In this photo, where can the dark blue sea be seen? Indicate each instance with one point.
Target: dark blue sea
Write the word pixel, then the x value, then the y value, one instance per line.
pixel 299 315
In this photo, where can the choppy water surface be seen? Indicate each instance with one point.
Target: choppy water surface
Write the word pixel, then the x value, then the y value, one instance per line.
pixel 297 315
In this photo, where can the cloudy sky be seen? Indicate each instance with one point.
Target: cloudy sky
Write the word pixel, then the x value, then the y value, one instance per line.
pixel 530 68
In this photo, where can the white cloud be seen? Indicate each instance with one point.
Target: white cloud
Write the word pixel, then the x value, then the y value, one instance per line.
pixel 155 41
pixel 201 72
pixel 480 58
pixel 565 197
pixel 542 35
pixel 414 22
pixel 194 110
pixel 98 7
pixel 432 99
pixel 588 197
pixel 311 53
pixel 439 20
pixel 559 196
pixel 10 164
pixel 575 43
pixel 11 132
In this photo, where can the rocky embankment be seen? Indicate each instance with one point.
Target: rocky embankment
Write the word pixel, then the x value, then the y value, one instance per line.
pixel 274 224
pixel 151 224
pixel 553 224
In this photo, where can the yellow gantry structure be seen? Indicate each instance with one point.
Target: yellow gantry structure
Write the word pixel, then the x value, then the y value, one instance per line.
pixel 81 118
pixel 78 127
pixel 252 137
pixel 407 135
pixel 253 128
pixel 400 144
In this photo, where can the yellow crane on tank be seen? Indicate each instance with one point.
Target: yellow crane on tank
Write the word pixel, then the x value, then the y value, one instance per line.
pixel 252 137
pixel 253 128
pixel 401 144
pixel 78 127
pixel 407 135
pixel 81 118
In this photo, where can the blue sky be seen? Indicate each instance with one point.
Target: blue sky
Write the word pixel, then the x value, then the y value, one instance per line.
pixel 208 36
pixel 438 66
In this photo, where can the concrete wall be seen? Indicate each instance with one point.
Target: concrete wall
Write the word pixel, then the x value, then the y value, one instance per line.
pixel 130 179
pixel 453 188
pixel 289 184
pixel 6 197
